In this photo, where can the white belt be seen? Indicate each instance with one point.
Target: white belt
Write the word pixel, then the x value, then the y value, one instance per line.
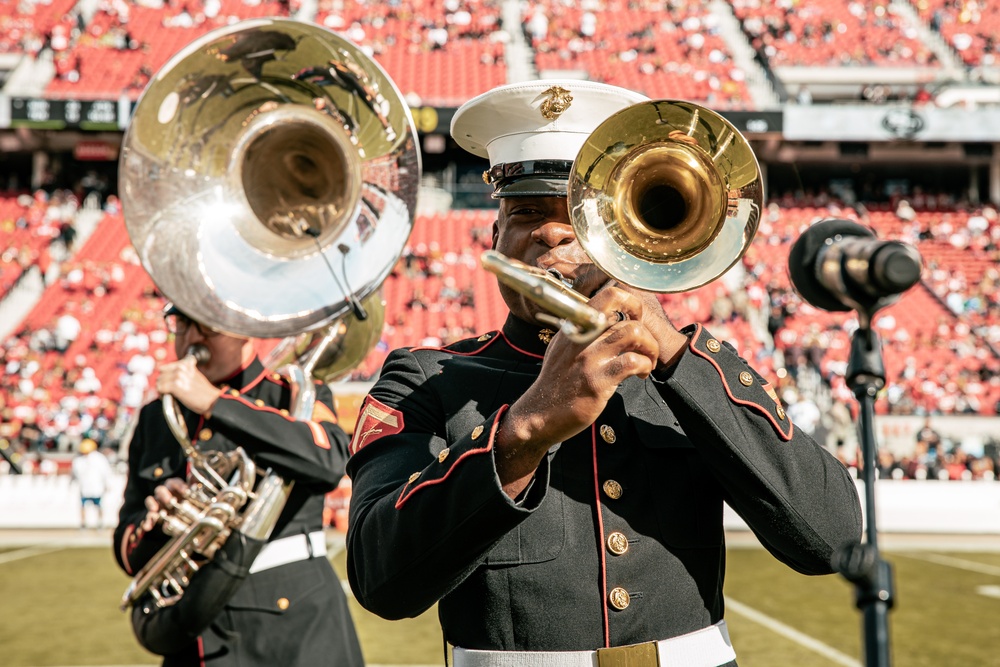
pixel 289 550
pixel 708 647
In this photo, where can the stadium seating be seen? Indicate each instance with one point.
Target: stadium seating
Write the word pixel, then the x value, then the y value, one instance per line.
pixel 831 33
pixel 672 52
pixel 125 43
pixel 28 227
pixel 26 27
pixel 426 46
pixel 971 27
pixel 438 293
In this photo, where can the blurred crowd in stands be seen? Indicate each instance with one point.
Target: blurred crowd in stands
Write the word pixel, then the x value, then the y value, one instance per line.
pixel 79 368
pixel 414 26
pixel 664 49
pixel 832 34
pixel 935 457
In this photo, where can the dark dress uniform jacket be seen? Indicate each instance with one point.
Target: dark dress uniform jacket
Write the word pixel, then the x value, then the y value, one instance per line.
pixel 314 627
pixel 619 538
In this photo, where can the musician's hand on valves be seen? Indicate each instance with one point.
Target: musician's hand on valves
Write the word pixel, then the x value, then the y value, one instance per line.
pixel 575 384
pixel 588 279
pixel 671 341
pixel 188 385
pixel 162 498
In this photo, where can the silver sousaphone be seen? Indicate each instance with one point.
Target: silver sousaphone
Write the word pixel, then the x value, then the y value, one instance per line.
pixel 268 180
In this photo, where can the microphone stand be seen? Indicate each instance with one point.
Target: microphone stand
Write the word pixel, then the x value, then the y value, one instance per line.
pixel 861 563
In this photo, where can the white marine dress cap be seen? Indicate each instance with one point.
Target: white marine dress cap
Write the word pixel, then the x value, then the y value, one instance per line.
pixel 532 131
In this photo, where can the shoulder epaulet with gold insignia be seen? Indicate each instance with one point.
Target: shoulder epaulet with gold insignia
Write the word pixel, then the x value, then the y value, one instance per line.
pixel 743 384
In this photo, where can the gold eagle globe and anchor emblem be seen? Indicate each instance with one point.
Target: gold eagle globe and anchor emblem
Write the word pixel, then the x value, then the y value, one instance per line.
pixel 557 101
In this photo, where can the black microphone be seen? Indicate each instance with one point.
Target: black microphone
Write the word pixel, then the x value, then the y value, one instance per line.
pixel 840 265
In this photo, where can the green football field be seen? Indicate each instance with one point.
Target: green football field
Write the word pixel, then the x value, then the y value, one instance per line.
pixel 59 606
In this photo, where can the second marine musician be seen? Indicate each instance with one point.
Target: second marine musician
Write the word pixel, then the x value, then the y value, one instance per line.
pixel 283 605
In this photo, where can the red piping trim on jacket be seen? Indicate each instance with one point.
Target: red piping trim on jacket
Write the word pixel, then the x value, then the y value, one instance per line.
pixel 761 408
pixel 240 370
pixel 525 352
pixel 126 548
pixel 404 495
pixel 255 381
pixel 492 340
pixel 320 438
pixel 258 408
pixel 600 539
pixel 201 652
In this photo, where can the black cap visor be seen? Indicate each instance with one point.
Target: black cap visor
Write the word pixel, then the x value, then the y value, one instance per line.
pixel 531 178
pixel 532 187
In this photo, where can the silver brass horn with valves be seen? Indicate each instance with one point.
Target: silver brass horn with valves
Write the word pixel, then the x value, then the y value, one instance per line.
pixel 664 196
pixel 268 180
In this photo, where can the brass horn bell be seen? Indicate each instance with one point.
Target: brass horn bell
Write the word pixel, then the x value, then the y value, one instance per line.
pixel 665 196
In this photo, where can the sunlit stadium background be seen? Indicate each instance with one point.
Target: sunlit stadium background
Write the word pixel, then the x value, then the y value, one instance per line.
pixel 882 112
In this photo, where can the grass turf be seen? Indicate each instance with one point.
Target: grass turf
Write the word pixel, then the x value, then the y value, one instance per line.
pixel 61 608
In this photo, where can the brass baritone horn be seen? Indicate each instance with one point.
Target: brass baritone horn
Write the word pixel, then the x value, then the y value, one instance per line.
pixel 664 196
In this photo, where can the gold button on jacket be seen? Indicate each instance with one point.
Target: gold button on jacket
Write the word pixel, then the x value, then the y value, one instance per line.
pixel 619 598
pixel 617 543
pixel 613 489
pixel 608 434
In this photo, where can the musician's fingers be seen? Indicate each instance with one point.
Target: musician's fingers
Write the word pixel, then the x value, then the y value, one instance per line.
pixel 631 336
pixel 176 486
pixel 617 304
pixel 163 495
pixel 152 513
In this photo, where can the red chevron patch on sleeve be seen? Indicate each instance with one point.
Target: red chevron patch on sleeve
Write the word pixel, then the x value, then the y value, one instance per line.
pixel 375 420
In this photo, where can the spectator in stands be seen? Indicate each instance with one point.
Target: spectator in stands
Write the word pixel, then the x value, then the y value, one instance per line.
pixel 802 410
pixel 66 331
pixel 92 472
pixel 44 263
pixel 525 426
pixel 134 387
pixel 537 25
pixel 235 401
pixel 88 383
pixel 841 431
pixel 928 440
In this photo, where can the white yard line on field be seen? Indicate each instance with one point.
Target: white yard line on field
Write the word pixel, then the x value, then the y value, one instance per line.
pixel 27 552
pixel 959 563
pixel 788 632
